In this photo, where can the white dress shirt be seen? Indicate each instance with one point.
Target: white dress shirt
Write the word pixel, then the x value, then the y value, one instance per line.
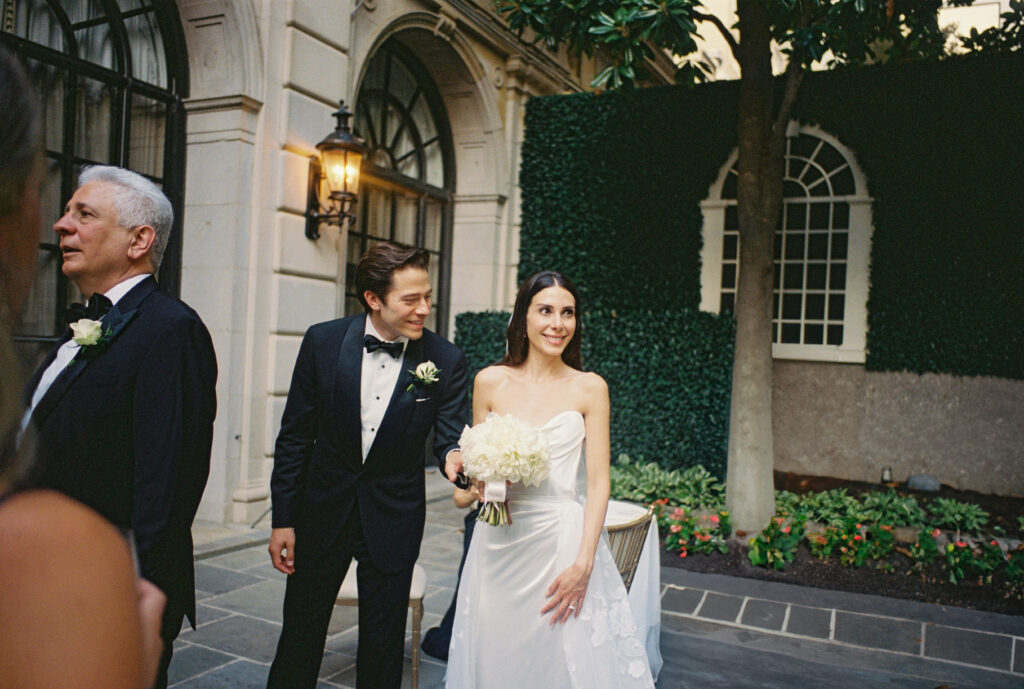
pixel 70 348
pixel 379 375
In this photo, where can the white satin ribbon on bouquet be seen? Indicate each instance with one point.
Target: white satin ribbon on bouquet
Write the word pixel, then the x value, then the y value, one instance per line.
pixel 495 508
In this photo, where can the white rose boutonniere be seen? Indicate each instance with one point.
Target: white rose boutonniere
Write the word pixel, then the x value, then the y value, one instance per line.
pixel 91 338
pixel 425 375
pixel 87 332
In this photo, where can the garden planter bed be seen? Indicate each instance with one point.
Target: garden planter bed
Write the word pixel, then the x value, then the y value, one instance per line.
pixel 806 570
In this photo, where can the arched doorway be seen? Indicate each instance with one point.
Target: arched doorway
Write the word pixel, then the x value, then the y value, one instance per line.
pixel 110 77
pixel 409 173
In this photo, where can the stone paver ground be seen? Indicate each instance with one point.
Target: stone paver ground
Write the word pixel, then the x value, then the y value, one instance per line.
pixel 717 632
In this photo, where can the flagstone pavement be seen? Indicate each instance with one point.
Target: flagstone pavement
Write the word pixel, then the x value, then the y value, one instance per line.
pixel 717 631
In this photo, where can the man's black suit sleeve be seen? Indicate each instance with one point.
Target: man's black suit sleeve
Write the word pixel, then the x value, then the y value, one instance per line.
pixel 295 441
pixel 452 411
pixel 174 406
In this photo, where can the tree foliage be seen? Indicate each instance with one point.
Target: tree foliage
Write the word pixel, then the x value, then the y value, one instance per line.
pixel 1008 37
pixel 809 31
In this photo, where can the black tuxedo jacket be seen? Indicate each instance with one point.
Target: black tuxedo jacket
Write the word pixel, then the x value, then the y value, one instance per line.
pixel 129 432
pixel 319 475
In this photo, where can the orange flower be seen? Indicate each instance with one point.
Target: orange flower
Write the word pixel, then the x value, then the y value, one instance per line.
pixel 714 519
pixel 787 529
pixel 682 553
pixel 675 528
pixel 857 537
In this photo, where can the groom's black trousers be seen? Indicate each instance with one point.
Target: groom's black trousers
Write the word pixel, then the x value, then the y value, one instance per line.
pixel 309 600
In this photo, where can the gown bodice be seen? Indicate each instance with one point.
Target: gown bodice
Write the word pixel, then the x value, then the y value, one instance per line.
pixel 564 433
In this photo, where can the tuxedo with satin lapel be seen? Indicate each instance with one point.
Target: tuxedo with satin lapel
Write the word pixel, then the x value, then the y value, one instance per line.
pixel 129 432
pixel 340 505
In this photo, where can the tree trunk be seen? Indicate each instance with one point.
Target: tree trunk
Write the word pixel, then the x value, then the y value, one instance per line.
pixel 750 495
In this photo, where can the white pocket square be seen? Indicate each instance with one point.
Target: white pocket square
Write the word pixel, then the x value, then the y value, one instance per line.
pixel 423 399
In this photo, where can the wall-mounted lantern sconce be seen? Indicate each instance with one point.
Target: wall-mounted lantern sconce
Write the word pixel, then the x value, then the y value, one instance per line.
pixel 340 157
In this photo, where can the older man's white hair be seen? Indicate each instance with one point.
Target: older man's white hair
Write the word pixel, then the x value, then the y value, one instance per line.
pixel 138 202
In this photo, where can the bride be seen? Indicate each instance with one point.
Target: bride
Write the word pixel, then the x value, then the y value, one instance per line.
pixel 541 603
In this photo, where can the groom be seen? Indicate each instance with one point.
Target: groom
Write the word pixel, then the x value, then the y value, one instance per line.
pixel 348 479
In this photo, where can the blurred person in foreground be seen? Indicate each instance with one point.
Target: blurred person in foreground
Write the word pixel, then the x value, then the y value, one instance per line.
pixel 73 612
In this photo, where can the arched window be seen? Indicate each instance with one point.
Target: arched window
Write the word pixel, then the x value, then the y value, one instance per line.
pixel 822 248
pixel 407 177
pixel 110 77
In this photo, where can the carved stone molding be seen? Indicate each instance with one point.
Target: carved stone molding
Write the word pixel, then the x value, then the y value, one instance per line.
pixel 223 48
pixel 236 102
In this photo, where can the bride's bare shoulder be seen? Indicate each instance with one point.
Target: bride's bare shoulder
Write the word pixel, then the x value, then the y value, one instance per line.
pixel 591 383
pixel 490 377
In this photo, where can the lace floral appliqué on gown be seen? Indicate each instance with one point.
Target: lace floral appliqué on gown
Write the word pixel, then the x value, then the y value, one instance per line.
pixel 500 640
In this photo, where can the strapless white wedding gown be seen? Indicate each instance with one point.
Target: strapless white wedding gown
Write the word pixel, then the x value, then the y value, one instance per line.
pixel 499 639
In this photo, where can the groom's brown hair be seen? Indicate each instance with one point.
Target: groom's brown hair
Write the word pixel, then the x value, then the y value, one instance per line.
pixel 379 263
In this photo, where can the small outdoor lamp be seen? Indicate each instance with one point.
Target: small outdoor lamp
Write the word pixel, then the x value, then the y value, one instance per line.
pixel 340 157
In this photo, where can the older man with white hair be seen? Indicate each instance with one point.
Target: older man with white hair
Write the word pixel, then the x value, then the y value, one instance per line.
pixel 123 406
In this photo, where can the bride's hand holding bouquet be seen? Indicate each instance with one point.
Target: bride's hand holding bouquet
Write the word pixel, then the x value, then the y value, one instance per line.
pixel 499 450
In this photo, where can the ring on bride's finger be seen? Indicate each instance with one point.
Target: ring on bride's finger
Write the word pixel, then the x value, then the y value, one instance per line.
pixel 572 607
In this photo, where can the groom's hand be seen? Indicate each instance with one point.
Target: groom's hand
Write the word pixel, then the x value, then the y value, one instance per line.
pixel 453 465
pixel 282 549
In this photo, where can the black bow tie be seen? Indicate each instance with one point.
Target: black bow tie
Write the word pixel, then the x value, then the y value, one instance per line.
pixel 96 308
pixel 372 344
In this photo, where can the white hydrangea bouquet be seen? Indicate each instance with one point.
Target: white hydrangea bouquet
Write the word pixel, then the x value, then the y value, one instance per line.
pixel 501 449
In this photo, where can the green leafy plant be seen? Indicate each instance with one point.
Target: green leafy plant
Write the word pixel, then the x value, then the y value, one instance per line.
pixel 777 544
pixel 822 542
pixel 978 563
pixel 648 482
pixel 989 559
pixel 787 502
pixel 958 560
pixel 833 507
pixel 833 524
pixel 960 516
pixel 853 546
pixel 694 531
pixel 892 508
pixel 925 550
pixel 1013 574
pixel 881 541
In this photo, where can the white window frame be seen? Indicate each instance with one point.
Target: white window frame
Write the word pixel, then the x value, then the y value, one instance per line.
pixel 855 315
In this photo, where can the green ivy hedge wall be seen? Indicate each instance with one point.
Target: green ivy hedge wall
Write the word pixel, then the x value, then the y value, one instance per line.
pixel 942 146
pixel 669 375
pixel 611 189
pixel 612 186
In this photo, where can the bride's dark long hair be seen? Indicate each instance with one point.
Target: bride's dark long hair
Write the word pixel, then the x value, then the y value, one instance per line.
pixel 515 335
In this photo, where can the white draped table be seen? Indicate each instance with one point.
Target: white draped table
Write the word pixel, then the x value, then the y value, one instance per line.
pixel 645 593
